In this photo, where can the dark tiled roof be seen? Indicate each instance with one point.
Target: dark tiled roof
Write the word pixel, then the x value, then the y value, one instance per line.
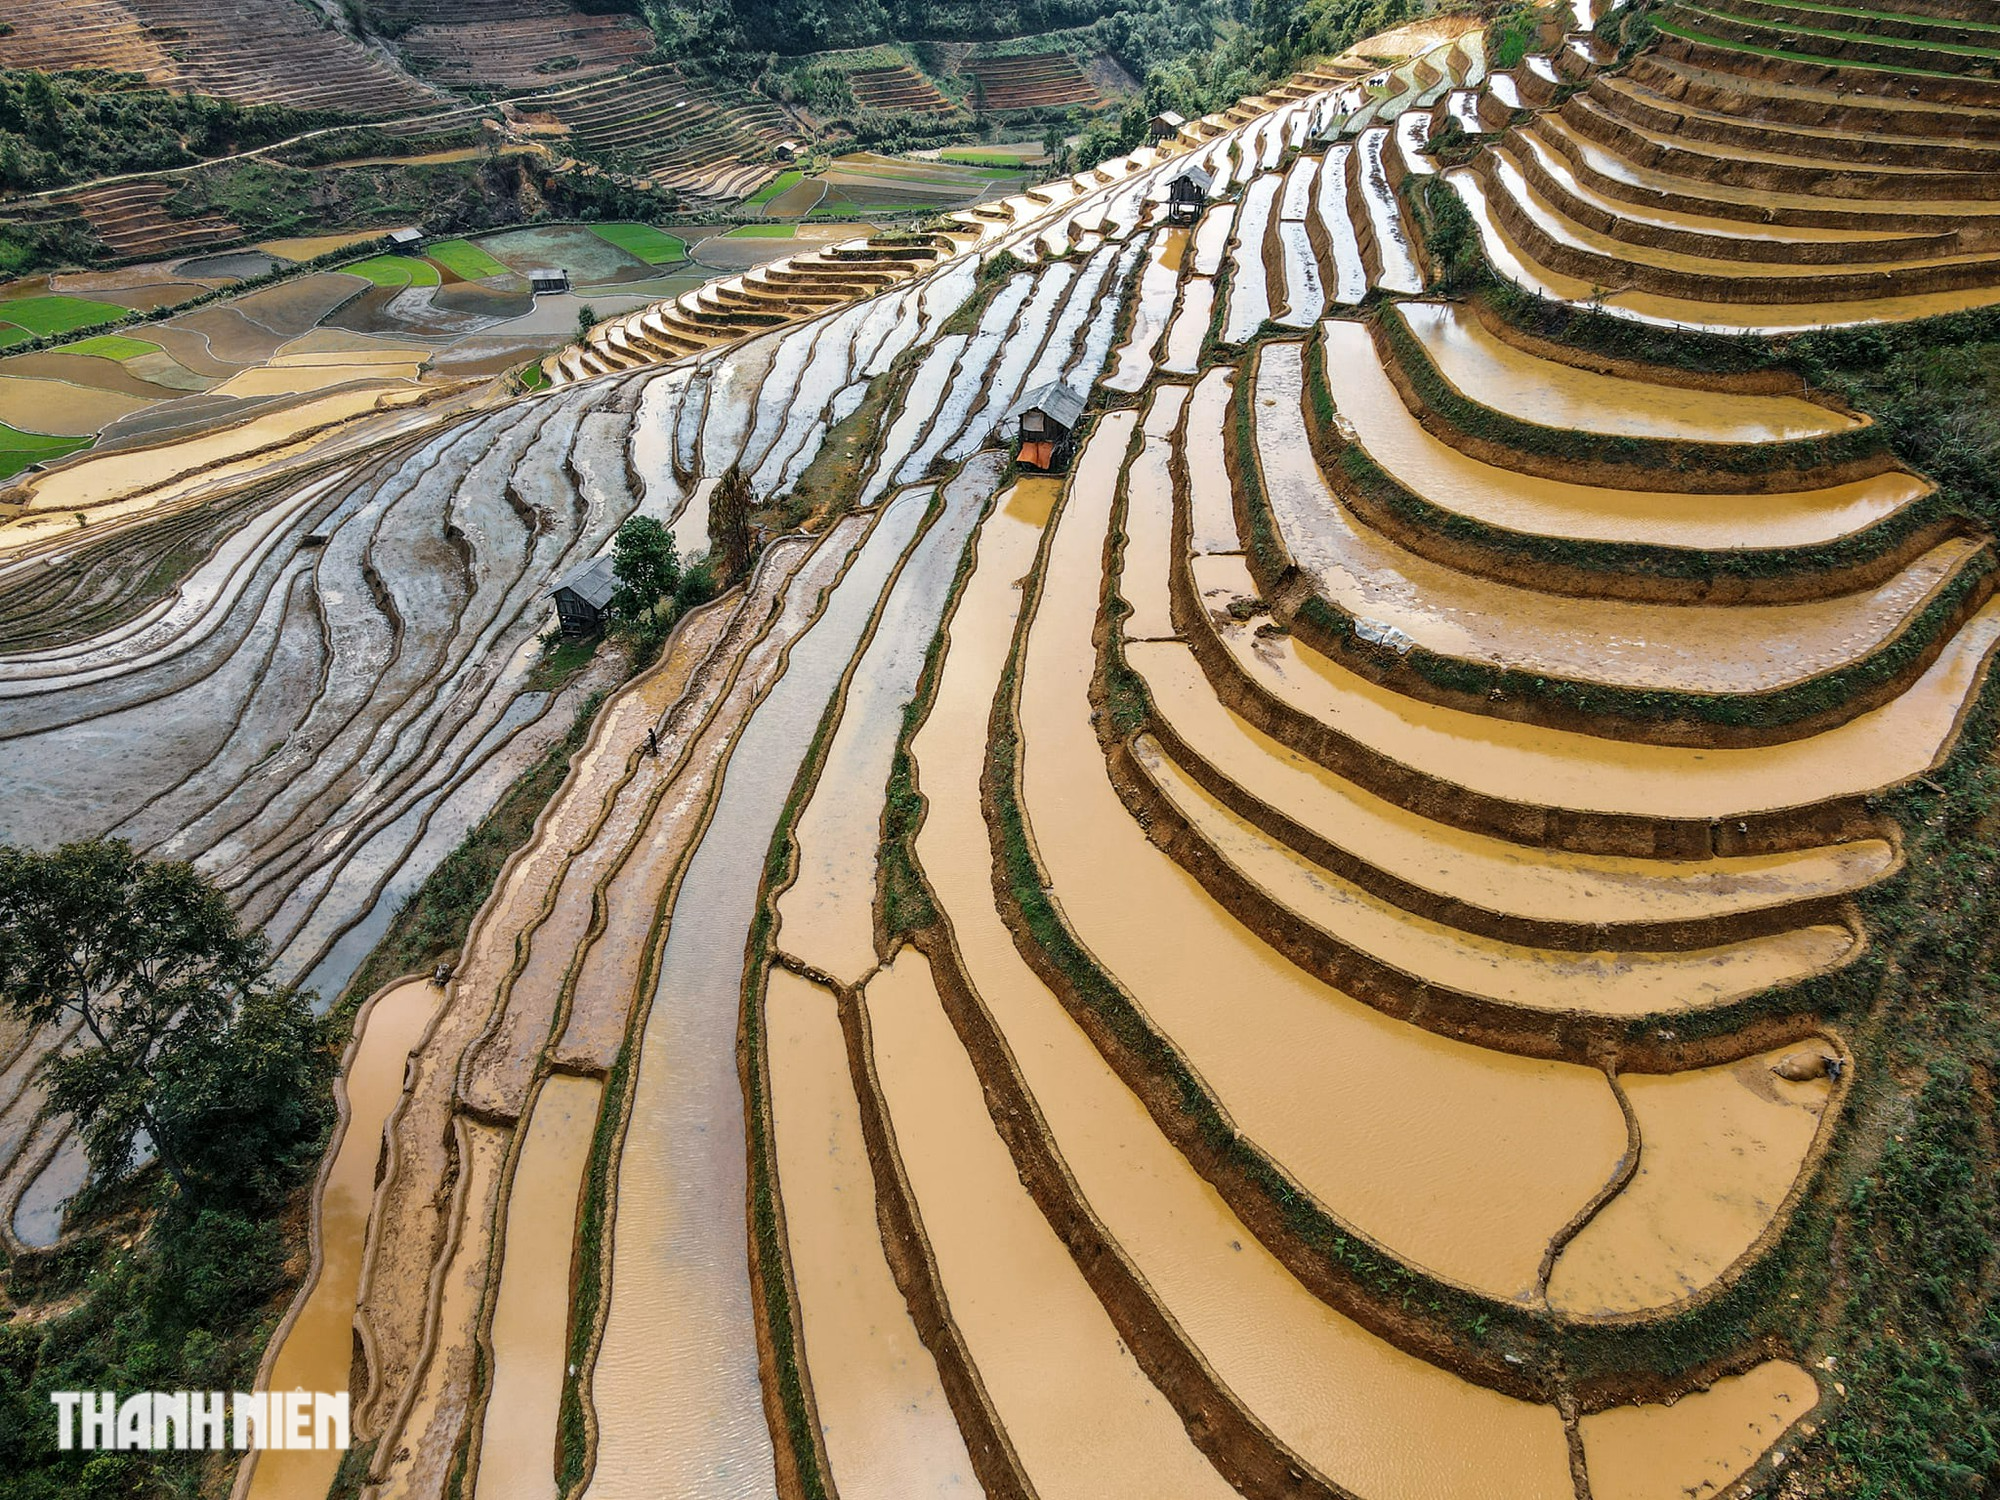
pixel 593 582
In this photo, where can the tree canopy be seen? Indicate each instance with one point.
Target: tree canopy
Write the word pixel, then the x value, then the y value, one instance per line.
pixel 647 566
pixel 182 1039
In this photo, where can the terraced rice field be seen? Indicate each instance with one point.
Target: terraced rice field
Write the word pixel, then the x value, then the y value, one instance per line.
pixel 513 44
pixel 1239 967
pixel 900 89
pixel 249 53
pixel 706 140
pixel 1033 80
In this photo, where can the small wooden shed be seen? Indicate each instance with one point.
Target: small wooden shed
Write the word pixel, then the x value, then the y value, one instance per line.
pixel 1048 417
pixel 787 151
pixel 1164 126
pixel 548 281
pixel 1187 195
pixel 406 239
pixel 583 595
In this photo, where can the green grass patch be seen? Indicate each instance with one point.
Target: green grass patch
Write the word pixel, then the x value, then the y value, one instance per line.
pixel 19 449
pixel 113 346
pixel 993 156
pixel 9 335
pixel 761 232
pixel 465 259
pixel 42 316
pixel 533 377
pixel 784 181
pixel 396 271
pixel 653 246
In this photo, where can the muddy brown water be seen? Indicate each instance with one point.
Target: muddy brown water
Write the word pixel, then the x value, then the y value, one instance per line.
pixel 676 1385
pixel 1149 516
pixel 1720 1149
pixel 1369 1416
pixel 1605 982
pixel 427 1445
pixel 1487 873
pixel 1495 373
pixel 888 1430
pixel 1561 768
pixel 1082 1418
pixel 1157 285
pixel 1701 1443
pixel 1687 648
pixel 1520 502
pixel 318 1348
pixel 530 1328
pixel 826 917
pixel 1459 1160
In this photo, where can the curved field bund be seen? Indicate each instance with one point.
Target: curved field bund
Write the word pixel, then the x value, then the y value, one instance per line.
pixel 1220 972
pixel 1770 166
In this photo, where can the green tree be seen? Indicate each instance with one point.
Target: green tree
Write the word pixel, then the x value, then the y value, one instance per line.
pixel 648 569
pixel 184 1037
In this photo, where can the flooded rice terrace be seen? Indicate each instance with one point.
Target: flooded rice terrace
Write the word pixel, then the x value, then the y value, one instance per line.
pixel 1233 895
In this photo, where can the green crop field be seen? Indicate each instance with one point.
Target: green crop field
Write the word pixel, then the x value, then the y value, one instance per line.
pixel 112 346
pixel 651 245
pixel 994 158
pixel 46 315
pixel 465 259
pixel 761 232
pixel 396 270
pixel 19 449
pixel 784 180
